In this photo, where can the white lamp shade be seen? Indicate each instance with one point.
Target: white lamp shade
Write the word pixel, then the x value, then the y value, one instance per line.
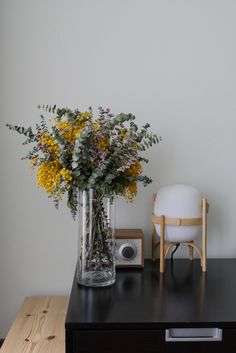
pixel 179 201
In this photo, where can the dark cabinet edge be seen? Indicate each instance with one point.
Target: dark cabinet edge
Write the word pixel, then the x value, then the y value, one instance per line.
pixel 148 326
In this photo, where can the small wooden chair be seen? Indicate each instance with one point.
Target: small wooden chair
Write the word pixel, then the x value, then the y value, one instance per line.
pixel 166 247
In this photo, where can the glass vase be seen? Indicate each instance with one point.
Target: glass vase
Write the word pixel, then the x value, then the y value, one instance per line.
pixel 96 246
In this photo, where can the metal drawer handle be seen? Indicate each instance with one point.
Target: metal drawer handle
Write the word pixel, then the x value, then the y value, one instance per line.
pixel 193 334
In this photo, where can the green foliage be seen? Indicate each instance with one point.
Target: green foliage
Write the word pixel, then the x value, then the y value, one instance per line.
pixel 23 131
pixel 104 154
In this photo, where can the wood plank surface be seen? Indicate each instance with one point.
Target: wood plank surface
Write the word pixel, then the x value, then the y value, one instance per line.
pixel 38 327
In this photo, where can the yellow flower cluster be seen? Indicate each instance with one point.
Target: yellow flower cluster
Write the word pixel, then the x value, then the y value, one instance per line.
pixel 123 133
pixel 130 191
pixel 66 175
pixel 96 126
pixel 50 143
pixel 84 115
pixel 50 174
pixel 135 169
pixel 103 143
pixel 69 132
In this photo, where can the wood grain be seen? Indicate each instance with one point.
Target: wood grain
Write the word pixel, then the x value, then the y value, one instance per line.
pixel 162 244
pixel 128 233
pixel 178 221
pixel 205 208
pixel 155 243
pixel 38 327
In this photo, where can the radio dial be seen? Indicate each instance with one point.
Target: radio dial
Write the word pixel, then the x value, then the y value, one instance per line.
pixel 128 251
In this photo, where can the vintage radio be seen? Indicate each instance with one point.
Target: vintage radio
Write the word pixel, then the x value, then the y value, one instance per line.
pixel 129 248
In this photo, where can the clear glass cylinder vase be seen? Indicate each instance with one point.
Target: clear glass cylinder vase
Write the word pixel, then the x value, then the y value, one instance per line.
pixel 96 245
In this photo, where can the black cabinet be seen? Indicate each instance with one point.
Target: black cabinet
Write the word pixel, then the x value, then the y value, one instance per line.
pixel 139 312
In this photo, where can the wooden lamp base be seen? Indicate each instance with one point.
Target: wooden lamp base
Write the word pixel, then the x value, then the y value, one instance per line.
pixel 165 247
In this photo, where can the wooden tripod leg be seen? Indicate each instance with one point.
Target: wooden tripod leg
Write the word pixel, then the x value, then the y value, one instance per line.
pixel 154 245
pixel 204 233
pixel 154 242
pixel 190 248
pixel 162 244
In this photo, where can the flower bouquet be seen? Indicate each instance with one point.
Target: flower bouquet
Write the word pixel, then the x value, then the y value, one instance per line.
pixel 90 159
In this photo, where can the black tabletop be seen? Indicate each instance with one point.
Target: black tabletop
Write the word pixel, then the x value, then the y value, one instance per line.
pixel 144 298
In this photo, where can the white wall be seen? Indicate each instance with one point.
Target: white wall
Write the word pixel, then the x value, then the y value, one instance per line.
pixel 172 63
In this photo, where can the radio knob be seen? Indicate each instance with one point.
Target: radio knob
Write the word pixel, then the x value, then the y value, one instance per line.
pixel 128 251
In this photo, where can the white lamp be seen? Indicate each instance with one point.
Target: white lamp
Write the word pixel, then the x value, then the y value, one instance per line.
pixel 179 216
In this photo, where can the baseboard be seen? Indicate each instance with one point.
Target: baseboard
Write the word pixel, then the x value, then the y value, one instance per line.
pixel 1 341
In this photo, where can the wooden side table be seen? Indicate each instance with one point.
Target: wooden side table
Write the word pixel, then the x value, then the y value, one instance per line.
pixel 38 327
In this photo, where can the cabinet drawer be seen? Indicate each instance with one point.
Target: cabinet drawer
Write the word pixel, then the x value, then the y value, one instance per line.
pixel 146 341
pixel 226 345
pixel 118 341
